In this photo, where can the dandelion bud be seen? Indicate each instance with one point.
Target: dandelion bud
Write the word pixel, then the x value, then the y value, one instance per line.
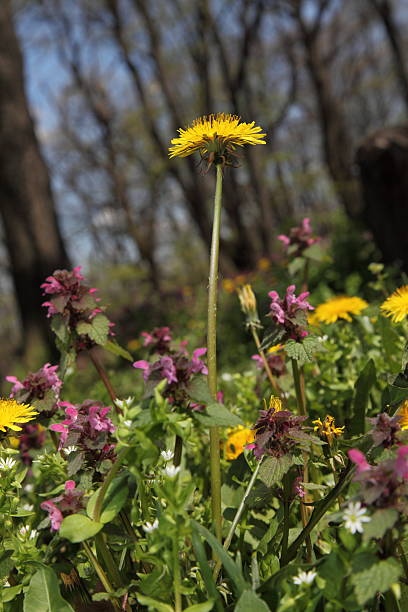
pixel 248 305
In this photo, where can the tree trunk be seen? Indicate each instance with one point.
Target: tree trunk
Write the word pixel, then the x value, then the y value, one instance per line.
pixel 32 236
pixel 383 164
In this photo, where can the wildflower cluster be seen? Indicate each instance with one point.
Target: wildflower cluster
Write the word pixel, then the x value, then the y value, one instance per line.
pixel 277 431
pixel 175 366
pixel 67 503
pixel 327 428
pixel 289 313
pixel 75 308
pixel 299 239
pixel 41 388
pixel 384 485
pixel 88 429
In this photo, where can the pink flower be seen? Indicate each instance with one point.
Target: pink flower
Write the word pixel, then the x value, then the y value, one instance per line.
pixel 284 239
pixel 158 340
pixel 86 426
pixel 70 502
pixel 359 459
pixel 197 365
pixel 37 385
pixel 299 238
pixel 55 514
pixel 288 312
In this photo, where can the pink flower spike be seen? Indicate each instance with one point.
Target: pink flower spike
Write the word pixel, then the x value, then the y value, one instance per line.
pixel 359 459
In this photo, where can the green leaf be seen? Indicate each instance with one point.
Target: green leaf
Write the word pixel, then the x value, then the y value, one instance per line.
pixel 116 349
pixel 377 579
pixel 205 606
pixel 205 570
pixel 303 351
pixel 43 594
pixel 217 415
pixel 199 391
pixel 315 252
pixel 6 563
pixel 154 604
pixel 362 390
pixel 97 330
pixel 297 264
pixel 230 566
pixel 381 521
pixel 249 600
pixel 9 593
pixel 60 329
pixel 274 468
pixel 78 527
pixel 114 500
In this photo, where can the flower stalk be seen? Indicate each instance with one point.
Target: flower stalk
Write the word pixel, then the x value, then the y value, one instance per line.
pixel 261 353
pixel 109 477
pixel 215 466
pixel 105 379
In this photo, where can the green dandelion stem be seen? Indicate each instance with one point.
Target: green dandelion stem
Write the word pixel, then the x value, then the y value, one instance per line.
pixel 265 361
pixel 212 356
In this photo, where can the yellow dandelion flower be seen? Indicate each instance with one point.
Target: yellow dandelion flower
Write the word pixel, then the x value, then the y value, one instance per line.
pixel 327 429
pixel 11 413
pixel 403 413
pixel 340 307
pixel 238 438
pixel 396 305
pixel 215 135
pixel 275 404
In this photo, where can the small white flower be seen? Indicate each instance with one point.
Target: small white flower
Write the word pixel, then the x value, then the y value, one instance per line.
pixel 7 464
pixel 29 488
pixel 27 533
pixel 171 470
pixel 70 449
pixel 40 458
pixel 127 423
pixel 28 507
pixel 150 527
pixel 354 517
pixel 125 403
pixel 226 377
pixel 167 455
pixel 304 578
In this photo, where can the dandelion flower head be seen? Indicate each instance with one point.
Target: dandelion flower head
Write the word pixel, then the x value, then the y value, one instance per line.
pixel 396 305
pixel 238 438
pixel 215 136
pixel 13 413
pixel 340 307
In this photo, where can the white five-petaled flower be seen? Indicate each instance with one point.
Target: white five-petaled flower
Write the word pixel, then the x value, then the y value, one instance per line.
pixel 171 470
pixel 27 533
pixel 7 464
pixel 70 449
pixel 125 403
pixel 304 578
pixel 149 527
pixel 28 507
pixel 354 517
pixel 167 455
pixel 127 423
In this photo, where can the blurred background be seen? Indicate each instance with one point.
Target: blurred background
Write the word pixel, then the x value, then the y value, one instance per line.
pixel 91 93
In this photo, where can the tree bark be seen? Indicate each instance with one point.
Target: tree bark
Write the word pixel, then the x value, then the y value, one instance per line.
pixel 383 162
pixel 33 240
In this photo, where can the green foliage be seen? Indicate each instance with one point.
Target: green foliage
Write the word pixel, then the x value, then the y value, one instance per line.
pixel 376 579
pixel 43 594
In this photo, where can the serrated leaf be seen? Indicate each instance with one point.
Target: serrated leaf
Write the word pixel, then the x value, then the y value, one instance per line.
pixel 43 594
pixel 78 527
pixel 377 579
pixel 60 329
pixel 381 521
pixel 97 330
pixel 116 349
pixel 274 468
pixel 303 351
pixel 217 415
pixel 249 600
pixel 60 302
pixel 199 391
pixel 363 386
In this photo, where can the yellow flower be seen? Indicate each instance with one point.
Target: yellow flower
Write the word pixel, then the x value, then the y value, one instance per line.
pixel 228 285
pixel 11 413
pixel 263 264
pixel 238 438
pixel 328 428
pixel 403 413
pixel 275 348
pixel 396 305
pixel 215 135
pixel 340 307
pixel 275 404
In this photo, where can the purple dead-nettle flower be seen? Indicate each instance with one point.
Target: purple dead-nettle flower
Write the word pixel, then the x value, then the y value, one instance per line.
pixel 41 388
pixel 89 429
pixel 290 313
pixel 277 431
pixel 177 369
pixel 385 429
pixel 276 363
pixel 75 303
pixel 70 502
pixel 299 239
pixel 158 340
pixel 384 485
